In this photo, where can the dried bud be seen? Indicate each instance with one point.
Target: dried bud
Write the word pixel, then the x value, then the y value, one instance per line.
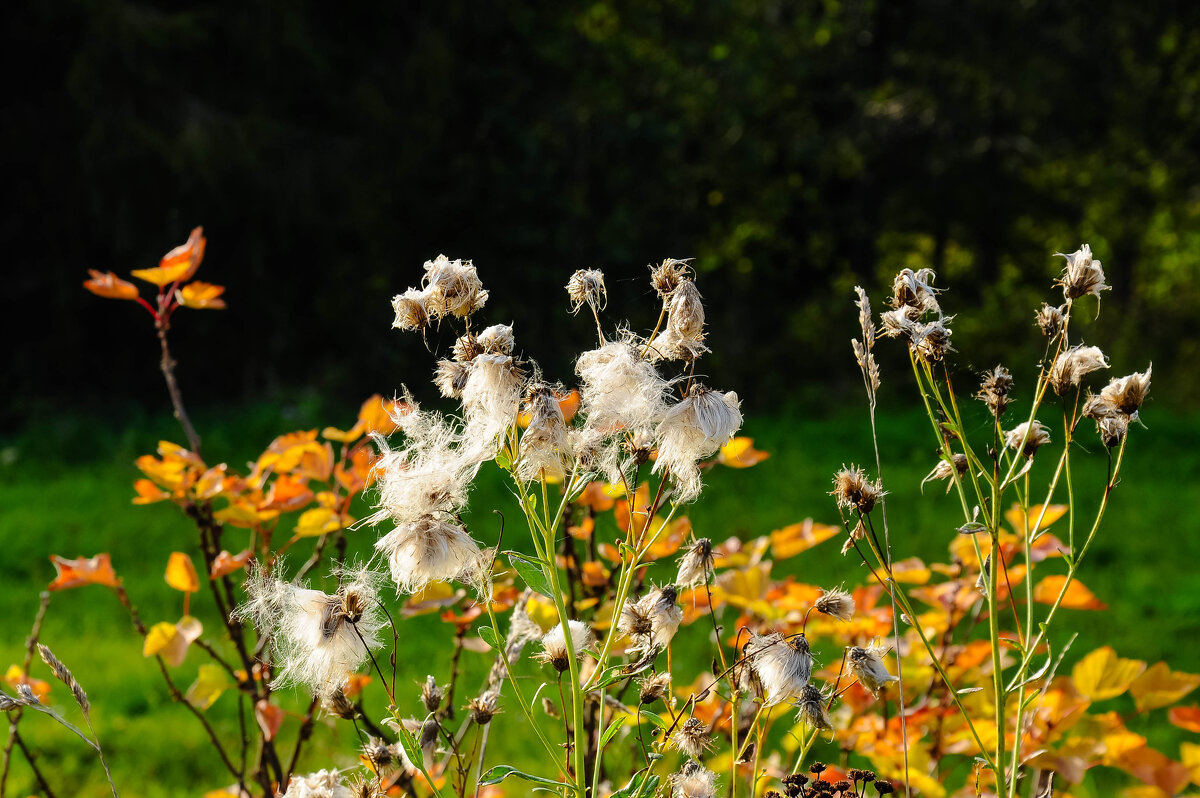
pixel 1050 319
pixel 587 285
pixel 943 470
pixel 653 688
pixel 696 564
pixel 685 311
pixel 693 781
pixel 931 341
pixel 884 787
pixel 993 391
pixel 497 339
pixel 837 603
pixel 336 703
pixel 409 308
pixel 667 276
pixel 483 708
pixel 853 491
pixel 639 445
pixel 1027 438
pixel 1070 366
pixel 431 694
pixel 452 287
pixel 379 754
pixel 867 666
pixel 1082 275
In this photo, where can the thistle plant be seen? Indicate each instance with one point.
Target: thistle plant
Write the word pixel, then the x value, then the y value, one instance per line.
pixel 633 655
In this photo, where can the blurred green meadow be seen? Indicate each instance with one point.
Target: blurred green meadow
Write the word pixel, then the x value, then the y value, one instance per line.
pixel 65 488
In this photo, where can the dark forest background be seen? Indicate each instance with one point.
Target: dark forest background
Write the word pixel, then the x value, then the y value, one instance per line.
pixel 793 149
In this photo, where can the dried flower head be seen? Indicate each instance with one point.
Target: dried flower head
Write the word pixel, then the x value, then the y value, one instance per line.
pixel 554 645
pixel 1027 438
pixel 836 602
pixel 915 290
pixel 451 377
pixel 587 285
pixel 901 322
pixel 409 308
pixel 811 706
pixel 497 339
pixel 635 623
pixel 381 755
pixel 431 694
pixel 466 348
pixel 665 615
pixel 781 665
pixel 1050 319
pixel 931 341
pixel 667 276
pixel 945 470
pixel 484 707
pixel 867 666
pixel 452 288
pixel 994 389
pixel 652 688
pixel 685 311
pixel 545 444
pixel 1126 394
pixel 491 397
pixel 620 390
pixel 695 428
pixel 322 784
pixel 692 738
pixel 853 490
pixel 696 564
pixel 336 703
pixel 1070 366
pixel 693 781
pixel 428 549
pixel 1082 274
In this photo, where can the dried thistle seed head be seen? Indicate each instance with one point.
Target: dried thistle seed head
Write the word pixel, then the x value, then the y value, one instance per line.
pixel 653 688
pixel 452 288
pixel 811 706
pixel 696 564
pixel 853 490
pixel 1112 429
pixel 635 622
pixel 1070 366
pixel 639 445
pixel 994 390
pixel 483 708
pixel 931 341
pixel 427 550
pixel 692 738
pixel 901 322
pixel 695 428
pixel 491 398
pixel 781 665
pixel 667 276
pixel 554 645
pixel 545 445
pixel 620 391
pixel 379 754
pixel 409 308
pixel 1050 319
pixel 1082 274
pixel 1126 394
pixel 322 784
pixel 466 348
pixel 693 781
pixel 867 666
pixel 915 290
pixel 685 311
pixel 944 469
pixel 336 703
pixel 837 603
pixel 431 694
pixel 1027 438
pixel 451 377
pixel 587 285
pixel 497 339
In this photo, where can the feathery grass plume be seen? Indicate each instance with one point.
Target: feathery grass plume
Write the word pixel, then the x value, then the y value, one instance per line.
pixel 1050 319
pixel 545 444
pixel 587 286
pixel 780 665
pixel 696 564
pixel 864 349
pixel 429 549
pixel 452 288
pixel 944 470
pixel 693 781
pixel 1027 437
pixel 915 290
pixel 497 339
pixel 1082 275
pixel 491 398
pixel 431 694
pixel 451 377
pixel 322 784
pixel 410 311
pixel 811 706
pixel 994 390
pixel 837 603
pixel 667 276
pixel 554 645
pixel 695 428
pixel 620 390
pixel 1126 394
pixel 484 707
pixel 318 638
pixel 692 738
pixel 652 688
pixel 1070 366
pixel 853 491
pixel 867 666
pixel 64 675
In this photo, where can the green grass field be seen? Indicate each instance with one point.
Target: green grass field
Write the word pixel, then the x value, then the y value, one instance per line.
pixel 65 489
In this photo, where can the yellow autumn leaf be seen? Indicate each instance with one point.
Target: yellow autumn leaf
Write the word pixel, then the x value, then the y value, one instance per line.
pixel 912 571
pixel 181 574
pixel 210 682
pixel 1189 755
pixel 1160 686
pixel 201 296
pixel 740 453
pixel 1017 519
pixel 171 640
pixel 1102 674
pixel 796 538
pixel 317 521
pixel 158 638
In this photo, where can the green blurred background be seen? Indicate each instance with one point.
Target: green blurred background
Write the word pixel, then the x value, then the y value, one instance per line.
pixel 792 149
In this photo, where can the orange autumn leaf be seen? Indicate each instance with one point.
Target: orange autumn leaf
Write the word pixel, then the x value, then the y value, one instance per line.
pixel 177 265
pixel 244 515
pixel 148 492
pixel 110 286
pixel 568 404
pixel 594 574
pixel 269 718
pixel 225 563
pixel 181 574
pixel 286 494
pixel 740 453
pixel 1185 718
pixel 17 677
pixel 1077 597
pixel 1102 674
pixel 355 684
pixel 641 509
pixel 376 414
pixel 1155 768
pixel 596 497
pixel 81 571
pixel 796 538
pixel 1017 519
pixel 201 296
pixel 1160 686
pixel 584 530
pixel 667 541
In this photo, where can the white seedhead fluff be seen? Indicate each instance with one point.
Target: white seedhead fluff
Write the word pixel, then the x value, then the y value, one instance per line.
pixel 554 644
pixel 427 550
pixel 545 444
pixel 452 288
pixel 620 390
pixel 695 428
pixel 321 784
pixel 780 665
pixel 491 398
pixel 693 781
pixel 867 666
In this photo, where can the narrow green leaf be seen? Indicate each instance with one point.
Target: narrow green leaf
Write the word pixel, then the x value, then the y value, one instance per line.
pixel 501 772
pixel 531 572
pixel 611 731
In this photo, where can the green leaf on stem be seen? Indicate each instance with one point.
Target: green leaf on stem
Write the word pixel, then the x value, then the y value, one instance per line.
pixel 642 784
pixel 531 571
pixel 488 635
pixel 611 731
pixel 502 772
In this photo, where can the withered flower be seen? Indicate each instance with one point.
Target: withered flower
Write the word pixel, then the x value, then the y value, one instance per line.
pixel 853 490
pixel 837 603
pixel 1070 366
pixel 696 564
pixel 587 285
pixel 994 389
pixel 811 706
pixel 409 308
pixel 692 738
pixel 1082 275
pixel 653 688
pixel 1027 437
pixel 1050 319
pixel 867 666
pixel 667 276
